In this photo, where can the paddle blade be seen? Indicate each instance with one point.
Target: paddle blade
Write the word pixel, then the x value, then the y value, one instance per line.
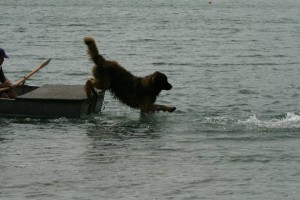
pixel 45 63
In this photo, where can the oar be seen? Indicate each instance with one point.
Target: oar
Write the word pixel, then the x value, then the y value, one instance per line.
pixel 22 80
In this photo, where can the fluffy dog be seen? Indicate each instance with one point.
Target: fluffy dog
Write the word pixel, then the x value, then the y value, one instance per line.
pixel 136 92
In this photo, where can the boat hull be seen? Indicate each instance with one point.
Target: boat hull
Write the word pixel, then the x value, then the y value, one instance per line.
pixel 52 101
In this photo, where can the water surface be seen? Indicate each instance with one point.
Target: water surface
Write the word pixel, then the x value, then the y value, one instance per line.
pixel 234 66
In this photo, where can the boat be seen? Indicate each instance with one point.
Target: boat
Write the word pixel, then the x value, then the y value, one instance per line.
pixel 51 101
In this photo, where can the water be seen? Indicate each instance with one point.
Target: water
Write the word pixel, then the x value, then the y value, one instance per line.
pixel 234 66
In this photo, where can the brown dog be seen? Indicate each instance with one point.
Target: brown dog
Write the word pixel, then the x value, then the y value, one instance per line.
pixel 136 92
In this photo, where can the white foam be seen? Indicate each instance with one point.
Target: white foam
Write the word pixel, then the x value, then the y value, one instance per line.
pixel 291 120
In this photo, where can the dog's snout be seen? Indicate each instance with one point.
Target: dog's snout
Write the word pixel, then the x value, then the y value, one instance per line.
pixel 169 86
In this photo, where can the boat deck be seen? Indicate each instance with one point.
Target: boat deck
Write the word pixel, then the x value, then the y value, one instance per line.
pixel 56 92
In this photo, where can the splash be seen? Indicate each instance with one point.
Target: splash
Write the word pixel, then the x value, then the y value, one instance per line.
pixel 289 121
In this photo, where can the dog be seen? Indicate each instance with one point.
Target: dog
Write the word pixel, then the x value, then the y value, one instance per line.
pixel 135 92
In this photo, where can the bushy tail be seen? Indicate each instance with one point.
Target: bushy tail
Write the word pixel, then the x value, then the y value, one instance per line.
pixel 93 50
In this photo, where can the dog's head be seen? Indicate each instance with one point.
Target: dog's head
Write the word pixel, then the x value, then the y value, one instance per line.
pixel 159 81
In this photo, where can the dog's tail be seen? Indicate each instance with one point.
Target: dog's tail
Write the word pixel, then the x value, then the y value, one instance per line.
pixel 93 50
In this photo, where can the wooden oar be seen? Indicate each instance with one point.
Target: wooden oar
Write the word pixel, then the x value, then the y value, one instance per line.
pixel 22 80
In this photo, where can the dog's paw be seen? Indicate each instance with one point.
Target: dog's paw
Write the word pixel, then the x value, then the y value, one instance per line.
pixel 168 109
pixel 171 109
pixel 164 108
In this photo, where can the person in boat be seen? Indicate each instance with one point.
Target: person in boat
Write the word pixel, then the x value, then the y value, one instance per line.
pixel 4 82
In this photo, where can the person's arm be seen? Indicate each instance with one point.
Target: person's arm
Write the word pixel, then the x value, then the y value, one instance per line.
pixel 2 77
pixel 4 81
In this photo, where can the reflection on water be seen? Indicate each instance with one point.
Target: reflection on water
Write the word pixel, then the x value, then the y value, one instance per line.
pixel 124 127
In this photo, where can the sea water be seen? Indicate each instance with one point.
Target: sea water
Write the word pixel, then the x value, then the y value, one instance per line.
pixel 234 67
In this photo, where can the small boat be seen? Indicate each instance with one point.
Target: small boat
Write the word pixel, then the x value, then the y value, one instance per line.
pixel 51 101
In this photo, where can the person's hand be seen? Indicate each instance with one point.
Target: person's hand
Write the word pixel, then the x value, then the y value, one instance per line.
pixel 7 83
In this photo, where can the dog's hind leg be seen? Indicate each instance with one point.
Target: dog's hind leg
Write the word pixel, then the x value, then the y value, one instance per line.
pixel 89 85
pixel 101 84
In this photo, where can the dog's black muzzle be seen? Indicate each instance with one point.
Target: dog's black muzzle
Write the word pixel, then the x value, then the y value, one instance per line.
pixel 168 86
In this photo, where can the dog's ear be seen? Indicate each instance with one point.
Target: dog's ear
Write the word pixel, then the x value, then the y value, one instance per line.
pixel 159 81
pixel 155 79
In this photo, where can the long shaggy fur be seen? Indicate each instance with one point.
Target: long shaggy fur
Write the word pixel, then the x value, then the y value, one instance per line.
pixel 136 92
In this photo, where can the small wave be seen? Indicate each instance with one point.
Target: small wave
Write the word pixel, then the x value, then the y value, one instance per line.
pixel 170 64
pixel 247 91
pixel 289 121
pixel 222 120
